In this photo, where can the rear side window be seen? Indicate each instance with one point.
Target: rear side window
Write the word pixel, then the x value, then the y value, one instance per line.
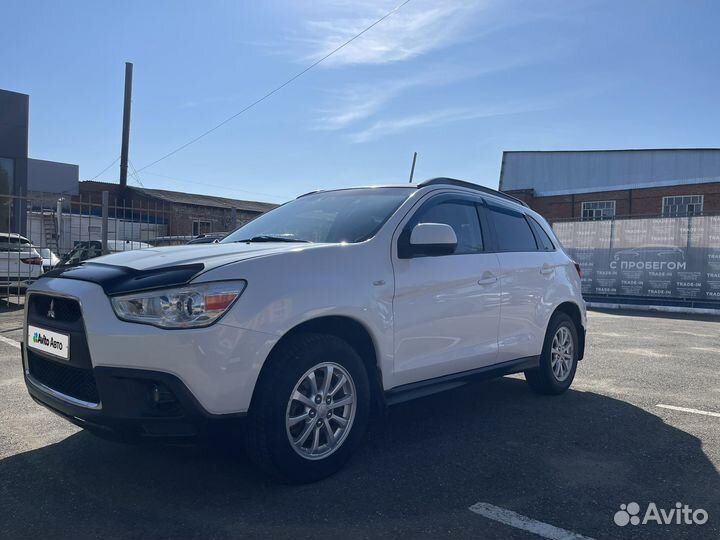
pixel 512 230
pixel 543 240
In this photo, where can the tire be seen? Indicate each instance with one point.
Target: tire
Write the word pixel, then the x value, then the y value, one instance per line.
pixel 544 379
pixel 274 418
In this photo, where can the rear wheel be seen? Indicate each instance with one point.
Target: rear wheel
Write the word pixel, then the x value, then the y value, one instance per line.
pixel 310 409
pixel 558 361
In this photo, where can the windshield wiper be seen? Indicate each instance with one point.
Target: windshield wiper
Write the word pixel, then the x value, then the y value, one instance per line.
pixel 270 238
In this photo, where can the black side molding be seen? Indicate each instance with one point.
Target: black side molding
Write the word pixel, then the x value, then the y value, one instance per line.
pixel 122 280
pixel 406 392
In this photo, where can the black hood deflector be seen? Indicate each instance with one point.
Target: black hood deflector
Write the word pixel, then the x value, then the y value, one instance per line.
pixel 122 280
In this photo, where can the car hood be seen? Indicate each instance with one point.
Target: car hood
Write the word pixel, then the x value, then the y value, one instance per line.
pixel 209 255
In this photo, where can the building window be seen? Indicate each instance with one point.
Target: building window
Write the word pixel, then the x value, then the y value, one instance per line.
pixel 201 227
pixel 593 210
pixel 683 205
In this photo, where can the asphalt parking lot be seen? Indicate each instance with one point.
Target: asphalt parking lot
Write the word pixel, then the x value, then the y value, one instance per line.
pixel 567 461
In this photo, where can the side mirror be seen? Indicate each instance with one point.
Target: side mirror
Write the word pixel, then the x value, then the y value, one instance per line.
pixel 432 239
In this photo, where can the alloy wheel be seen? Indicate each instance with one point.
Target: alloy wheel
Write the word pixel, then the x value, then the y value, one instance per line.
pixel 562 353
pixel 320 411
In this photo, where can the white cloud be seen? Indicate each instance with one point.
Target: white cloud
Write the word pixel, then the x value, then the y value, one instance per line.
pixel 362 101
pixel 384 128
pixel 417 28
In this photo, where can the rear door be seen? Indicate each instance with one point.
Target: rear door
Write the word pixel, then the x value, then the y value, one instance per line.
pixel 526 274
pixel 446 307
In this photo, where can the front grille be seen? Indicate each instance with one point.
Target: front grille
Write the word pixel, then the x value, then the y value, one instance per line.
pixel 65 310
pixel 78 383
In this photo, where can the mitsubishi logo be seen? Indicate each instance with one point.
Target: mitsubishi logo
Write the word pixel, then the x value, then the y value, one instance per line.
pixel 51 311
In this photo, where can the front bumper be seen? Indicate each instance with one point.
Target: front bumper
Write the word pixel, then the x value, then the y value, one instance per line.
pixel 137 405
pixel 216 365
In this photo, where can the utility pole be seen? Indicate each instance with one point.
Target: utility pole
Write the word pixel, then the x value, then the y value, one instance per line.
pixel 412 169
pixel 126 126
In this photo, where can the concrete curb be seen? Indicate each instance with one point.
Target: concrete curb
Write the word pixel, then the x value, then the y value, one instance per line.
pixel 659 309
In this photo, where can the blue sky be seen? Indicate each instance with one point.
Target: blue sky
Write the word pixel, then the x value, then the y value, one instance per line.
pixel 458 81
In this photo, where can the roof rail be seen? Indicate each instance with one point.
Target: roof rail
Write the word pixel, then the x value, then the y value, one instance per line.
pixel 308 193
pixel 469 185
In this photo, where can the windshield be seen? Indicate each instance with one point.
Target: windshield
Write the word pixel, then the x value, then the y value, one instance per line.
pixel 351 215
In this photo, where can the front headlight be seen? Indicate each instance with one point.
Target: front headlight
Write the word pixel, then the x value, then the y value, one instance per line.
pixel 191 306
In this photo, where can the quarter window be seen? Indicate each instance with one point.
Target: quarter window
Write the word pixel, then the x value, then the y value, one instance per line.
pixel 512 230
pixel 543 240
pixel 462 217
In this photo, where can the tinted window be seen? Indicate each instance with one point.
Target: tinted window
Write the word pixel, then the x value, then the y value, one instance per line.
pixel 462 217
pixel 541 236
pixel 512 229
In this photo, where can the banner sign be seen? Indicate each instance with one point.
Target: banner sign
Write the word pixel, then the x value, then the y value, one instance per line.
pixel 676 258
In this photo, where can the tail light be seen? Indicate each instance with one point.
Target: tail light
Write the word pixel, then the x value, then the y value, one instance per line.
pixel 579 270
pixel 33 260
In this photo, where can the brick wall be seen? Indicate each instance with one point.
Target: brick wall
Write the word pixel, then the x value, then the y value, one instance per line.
pixel 645 202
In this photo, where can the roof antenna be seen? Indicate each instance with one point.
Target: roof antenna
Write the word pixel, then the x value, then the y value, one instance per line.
pixel 412 169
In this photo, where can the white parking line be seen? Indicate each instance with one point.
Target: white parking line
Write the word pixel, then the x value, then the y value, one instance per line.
pixel 10 342
pixel 508 517
pixel 685 409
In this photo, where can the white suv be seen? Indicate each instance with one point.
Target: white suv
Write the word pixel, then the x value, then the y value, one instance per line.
pixel 300 324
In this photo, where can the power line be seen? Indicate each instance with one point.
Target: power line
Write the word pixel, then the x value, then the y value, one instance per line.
pixel 106 168
pixel 219 186
pixel 135 174
pixel 276 89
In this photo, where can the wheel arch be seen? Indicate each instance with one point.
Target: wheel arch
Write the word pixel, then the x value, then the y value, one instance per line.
pixel 572 310
pixel 348 329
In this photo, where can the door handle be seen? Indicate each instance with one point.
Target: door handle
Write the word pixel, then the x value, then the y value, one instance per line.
pixel 547 270
pixel 487 278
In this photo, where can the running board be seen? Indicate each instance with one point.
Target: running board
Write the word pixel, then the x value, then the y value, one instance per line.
pixel 406 392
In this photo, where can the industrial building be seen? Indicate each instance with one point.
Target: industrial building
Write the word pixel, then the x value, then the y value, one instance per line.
pixel 644 225
pixel 184 214
pixel 35 194
pixel 602 184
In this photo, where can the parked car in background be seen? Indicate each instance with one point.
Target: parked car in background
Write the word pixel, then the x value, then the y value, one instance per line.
pixel 210 238
pixel 394 293
pixel 50 260
pixel 90 249
pixel 160 241
pixel 20 263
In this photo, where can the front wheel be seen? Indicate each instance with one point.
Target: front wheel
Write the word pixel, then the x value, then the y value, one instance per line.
pixel 558 361
pixel 310 409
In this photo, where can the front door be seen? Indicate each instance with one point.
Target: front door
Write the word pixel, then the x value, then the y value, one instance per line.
pixel 446 307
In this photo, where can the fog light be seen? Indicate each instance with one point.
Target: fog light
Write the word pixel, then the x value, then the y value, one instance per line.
pixel 162 398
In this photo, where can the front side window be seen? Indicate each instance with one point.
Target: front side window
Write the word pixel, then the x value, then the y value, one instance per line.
pixel 512 230
pixel 682 206
pixel 461 216
pixel 351 215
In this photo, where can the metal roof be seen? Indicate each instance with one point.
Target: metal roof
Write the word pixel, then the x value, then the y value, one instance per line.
pixel 561 172
pixel 178 197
